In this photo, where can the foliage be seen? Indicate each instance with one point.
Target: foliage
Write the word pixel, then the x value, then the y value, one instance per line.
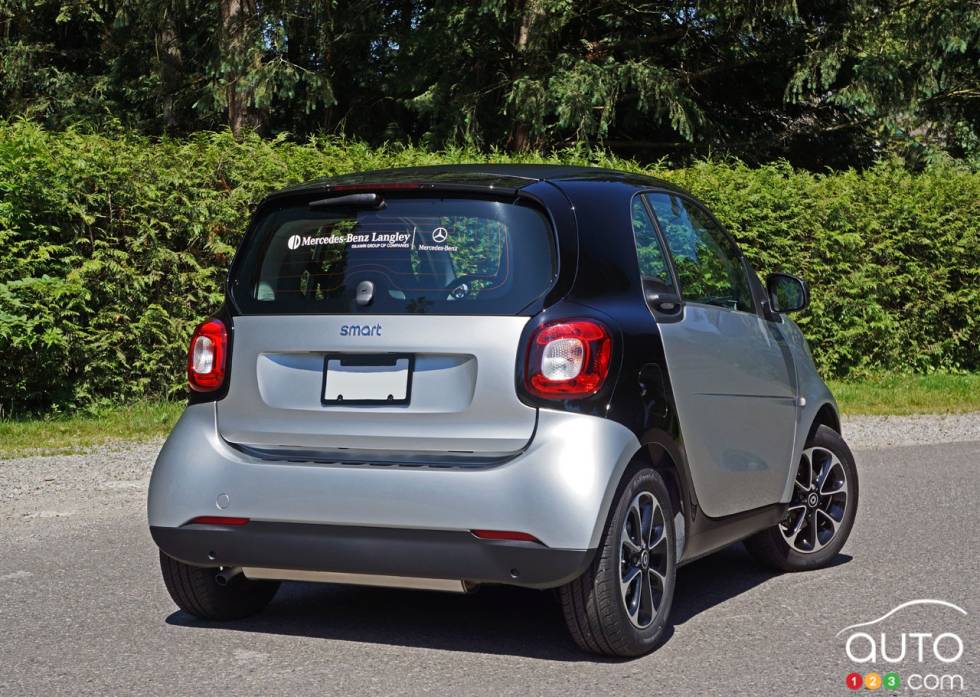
pixel 892 394
pixel 112 248
pixel 892 257
pixel 824 83
pixel 65 433
pixel 177 66
pixel 909 72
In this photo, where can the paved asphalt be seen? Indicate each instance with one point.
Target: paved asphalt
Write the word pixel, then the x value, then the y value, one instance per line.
pixel 83 611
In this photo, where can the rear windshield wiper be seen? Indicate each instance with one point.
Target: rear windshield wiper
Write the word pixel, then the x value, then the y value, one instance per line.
pixel 363 200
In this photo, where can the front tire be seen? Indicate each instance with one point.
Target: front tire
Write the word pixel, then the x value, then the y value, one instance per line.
pixel 195 591
pixel 821 513
pixel 621 604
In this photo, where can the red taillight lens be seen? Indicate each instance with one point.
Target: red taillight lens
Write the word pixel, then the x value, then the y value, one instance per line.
pixel 206 356
pixel 217 520
pixel 568 359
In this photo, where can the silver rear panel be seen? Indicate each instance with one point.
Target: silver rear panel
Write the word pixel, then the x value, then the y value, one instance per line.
pixel 463 397
pixel 558 489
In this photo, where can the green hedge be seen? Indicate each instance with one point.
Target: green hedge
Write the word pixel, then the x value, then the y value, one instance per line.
pixel 112 248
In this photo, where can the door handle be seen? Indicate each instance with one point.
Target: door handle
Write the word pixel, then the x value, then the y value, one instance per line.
pixel 664 302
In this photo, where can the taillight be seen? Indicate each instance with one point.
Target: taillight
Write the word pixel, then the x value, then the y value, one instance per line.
pixel 206 356
pixel 568 359
pixel 217 520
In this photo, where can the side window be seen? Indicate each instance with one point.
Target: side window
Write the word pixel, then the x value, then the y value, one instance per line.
pixel 709 267
pixel 653 264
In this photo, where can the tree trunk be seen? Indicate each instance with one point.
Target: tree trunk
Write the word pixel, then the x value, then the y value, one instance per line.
pixel 171 69
pixel 237 18
pixel 528 13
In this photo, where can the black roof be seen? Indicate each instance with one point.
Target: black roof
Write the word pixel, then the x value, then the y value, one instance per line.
pixel 509 177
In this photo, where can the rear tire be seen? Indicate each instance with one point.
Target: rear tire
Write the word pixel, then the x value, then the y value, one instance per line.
pixel 195 591
pixel 821 512
pixel 621 604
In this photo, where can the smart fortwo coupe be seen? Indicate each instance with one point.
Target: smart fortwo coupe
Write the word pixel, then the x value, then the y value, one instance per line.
pixel 544 376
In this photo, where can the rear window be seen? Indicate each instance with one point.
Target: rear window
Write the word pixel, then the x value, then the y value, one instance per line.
pixel 435 255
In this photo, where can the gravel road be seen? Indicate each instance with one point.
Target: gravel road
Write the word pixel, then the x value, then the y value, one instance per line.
pixel 83 609
pixel 880 431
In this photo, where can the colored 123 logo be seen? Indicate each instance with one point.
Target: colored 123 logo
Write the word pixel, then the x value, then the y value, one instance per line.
pixel 872 681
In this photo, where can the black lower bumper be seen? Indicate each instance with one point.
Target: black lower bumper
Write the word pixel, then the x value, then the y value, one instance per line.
pixel 364 550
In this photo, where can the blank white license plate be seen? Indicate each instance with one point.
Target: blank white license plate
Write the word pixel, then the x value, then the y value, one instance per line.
pixel 367 379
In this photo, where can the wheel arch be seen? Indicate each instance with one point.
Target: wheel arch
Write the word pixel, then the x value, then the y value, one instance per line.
pixel 657 457
pixel 826 415
pixel 655 452
pixel 821 412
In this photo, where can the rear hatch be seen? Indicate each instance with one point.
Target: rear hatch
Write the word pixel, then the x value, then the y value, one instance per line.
pixel 389 327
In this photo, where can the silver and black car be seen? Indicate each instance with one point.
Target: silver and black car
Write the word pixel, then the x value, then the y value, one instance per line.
pixel 543 376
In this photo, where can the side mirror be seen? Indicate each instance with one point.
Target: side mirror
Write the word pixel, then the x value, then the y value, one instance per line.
pixel 787 293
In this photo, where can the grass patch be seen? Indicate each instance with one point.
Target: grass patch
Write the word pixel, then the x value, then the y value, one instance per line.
pixel 940 393
pixel 883 394
pixel 60 434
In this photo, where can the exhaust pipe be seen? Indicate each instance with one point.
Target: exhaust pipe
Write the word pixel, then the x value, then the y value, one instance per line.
pixel 227 576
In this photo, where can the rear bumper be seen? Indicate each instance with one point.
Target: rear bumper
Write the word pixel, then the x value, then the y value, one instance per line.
pixel 558 489
pixel 372 551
